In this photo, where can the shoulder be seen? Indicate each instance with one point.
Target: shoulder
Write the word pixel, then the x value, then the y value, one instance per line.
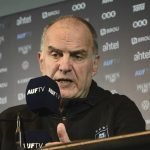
pixel 15 108
pixel 11 112
pixel 120 102
pixel 127 116
pixel 121 99
pixel 114 101
pixel 108 97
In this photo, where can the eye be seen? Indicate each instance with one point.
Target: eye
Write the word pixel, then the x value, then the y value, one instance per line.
pixel 55 54
pixel 78 57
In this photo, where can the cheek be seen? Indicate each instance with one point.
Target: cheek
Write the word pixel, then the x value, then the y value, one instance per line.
pixel 84 71
pixel 49 68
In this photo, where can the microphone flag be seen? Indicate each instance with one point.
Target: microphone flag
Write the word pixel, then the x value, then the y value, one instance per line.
pixel 43 95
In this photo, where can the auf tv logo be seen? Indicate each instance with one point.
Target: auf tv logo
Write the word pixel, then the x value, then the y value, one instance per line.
pixel 23 35
pixel 139 72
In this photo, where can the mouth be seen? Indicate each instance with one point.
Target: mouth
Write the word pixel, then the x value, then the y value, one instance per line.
pixel 63 80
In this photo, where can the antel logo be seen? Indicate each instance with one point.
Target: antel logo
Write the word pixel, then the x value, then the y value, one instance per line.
pixel 79 6
pixel 108 15
pixel 23 20
pixel 140 23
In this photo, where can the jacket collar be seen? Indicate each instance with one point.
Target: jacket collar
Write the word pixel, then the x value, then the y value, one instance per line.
pixel 77 105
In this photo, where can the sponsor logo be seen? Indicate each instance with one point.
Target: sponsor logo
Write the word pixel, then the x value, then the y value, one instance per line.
pixel 136 40
pixel 139 72
pixel 23 35
pixel 3 100
pixel 46 14
pixel 25 65
pixel 33 145
pixel 110 46
pixel 4 85
pixel 41 90
pixel 3 70
pixel 79 6
pixel 25 80
pixel 102 133
pixel 105 31
pixel 145 105
pixel 107 1
pixel 23 20
pixel 112 78
pixel 108 15
pixel 1 39
pixel 21 96
pixel 36 90
pixel 24 49
pixel 140 23
pixel 141 56
pixel 143 88
pixel 53 92
pixel 139 7
pixel 110 62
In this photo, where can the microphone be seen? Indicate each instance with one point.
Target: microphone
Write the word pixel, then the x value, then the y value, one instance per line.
pixel 43 95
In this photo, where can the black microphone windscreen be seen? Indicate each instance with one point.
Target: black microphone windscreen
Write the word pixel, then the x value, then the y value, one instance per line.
pixel 43 95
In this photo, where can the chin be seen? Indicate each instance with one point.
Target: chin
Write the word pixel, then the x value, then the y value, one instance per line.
pixel 66 95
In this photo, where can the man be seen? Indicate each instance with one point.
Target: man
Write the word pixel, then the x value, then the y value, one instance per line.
pixel 69 55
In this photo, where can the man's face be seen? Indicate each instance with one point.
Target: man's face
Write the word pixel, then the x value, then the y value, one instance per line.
pixel 68 59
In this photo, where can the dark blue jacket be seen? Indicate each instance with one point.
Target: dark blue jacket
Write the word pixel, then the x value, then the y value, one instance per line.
pixel 100 115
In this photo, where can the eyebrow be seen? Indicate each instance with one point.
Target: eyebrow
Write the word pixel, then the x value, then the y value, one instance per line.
pixel 82 51
pixel 53 48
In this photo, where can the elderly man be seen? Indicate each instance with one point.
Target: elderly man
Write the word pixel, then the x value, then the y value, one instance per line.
pixel 69 55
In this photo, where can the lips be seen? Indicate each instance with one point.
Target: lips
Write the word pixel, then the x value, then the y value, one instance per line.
pixel 64 80
pixel 64 83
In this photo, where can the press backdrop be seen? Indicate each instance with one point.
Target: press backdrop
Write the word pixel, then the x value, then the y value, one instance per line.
pixel 123 29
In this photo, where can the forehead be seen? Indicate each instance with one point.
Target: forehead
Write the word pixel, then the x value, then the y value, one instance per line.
pixel 69 29
pixel 70 22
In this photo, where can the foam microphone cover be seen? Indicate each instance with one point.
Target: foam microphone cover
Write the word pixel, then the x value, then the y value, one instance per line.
pixel 43 95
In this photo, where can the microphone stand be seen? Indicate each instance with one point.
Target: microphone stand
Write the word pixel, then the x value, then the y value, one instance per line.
pixel 18 135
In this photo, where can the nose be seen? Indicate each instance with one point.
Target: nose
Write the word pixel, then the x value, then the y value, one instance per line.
pixel 65 64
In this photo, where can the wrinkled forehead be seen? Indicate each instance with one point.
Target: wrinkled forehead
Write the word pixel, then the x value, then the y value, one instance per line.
pixel 71 30
pixel 71 24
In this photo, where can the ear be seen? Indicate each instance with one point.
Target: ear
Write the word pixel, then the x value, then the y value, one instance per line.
pixel 40 60
pixel 95 65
